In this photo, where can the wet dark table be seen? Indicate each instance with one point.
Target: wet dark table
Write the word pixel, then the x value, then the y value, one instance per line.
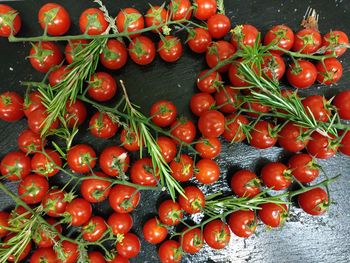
pixel 303 238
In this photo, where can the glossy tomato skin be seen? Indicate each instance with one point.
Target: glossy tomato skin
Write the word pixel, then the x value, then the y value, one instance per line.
pixel 342 103
pixel 219 51
pixel 33 188
pixel 95 190
pixel 142 172
pixel 273 215
pixel 303 167
pixel 276 175
pixel 156 16
pixel 44 55
pixel 70 251
pixel 302 75
pixel 7 28
pixel 182 168
pixel 115 55
pixel 170 252
pixel 245 183
pixel 76 113
pixel 273 66
pixel 204 9
pixel 153 231
pixel 345 143
pixel 119 259
pixel 307 41
pixel 198 40
pixel 36 121
pixel 46 255
pixel 94 229
pixel 32 102
pixel 218 25
pixel 292 137
pixel 167 148
pixel 120 223
pixel 163 113
pixel 245 35
pixel 81 158
pixel 170 49
pixel 130 246
pixel 4 222
pixel 195 201
pixel 130 20
pixel 102 126
pixel 208 148
pixel 79 210
pixel 209 83
pixel 42 240
pixel 333 40
pixel 242 223
pixel 15 166
pixel 330 71
pixel 217 234
pixel 46 166
pixel 233 127
pixel 184 130
pixel 262 137
pixel 314 201
pixel 58 75
pixel 30 142
pixel 96 26
pixel 316 105
pixel 96 257
pixel 102 87
pixel 54 203
pixel 282 36
pixel 192 241
pixel 208 171
pixel 24 253
pixel 73 48
pixel 55 17
pixel 123 198
pixel 180 9
pixel 114 159
pixel 170 212
pixel 254 107
pixel 227 99
pixel 321 146
pixel 211 123
pixel 11 106
pixel 142 50
pixel 129 140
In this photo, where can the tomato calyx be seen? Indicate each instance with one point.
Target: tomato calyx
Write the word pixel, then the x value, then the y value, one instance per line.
pixel 196 204
pixel 7 19
pixel 222 236
pixel 90 227
pixel 256 182
pixel 174 215
pixel 138 49
pixel 328 76
pixel 156 13
pixel 31 190
pixel 197 241
pixel 40 53
pixel 280 34
pixel 15 169
pixel 45 170
pixel 321 207
pixel 50 15
pixel 118 163
pixel 307 39
pixel 313 165
pixel 93 21
pixel 109 54
pixel 287 174
pixel 238 35
pixel 6 100
pixel 130 18
pixel 168 44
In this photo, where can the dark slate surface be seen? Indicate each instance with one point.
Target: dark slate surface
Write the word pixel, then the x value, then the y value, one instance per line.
pixel 303 238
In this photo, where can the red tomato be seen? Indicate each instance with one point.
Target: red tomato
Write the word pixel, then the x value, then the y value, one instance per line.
pixel 54 18
pixel 182 168
pixel 170 213
pixel 244 35
pixel 129 140
pixel 43 240
pixel 44 55
pixel 36 121
pixel 170 48
pixel 46 163
pixel 273 215
pixel 192 241
pixel 15 166
pixel 245 183
pixel 242 223
pixel 120 223
pixel 153 231
pixel 92 22
pixel 170 252
pixel 302 74
pixel 4 223
pixel 70 251
pixel 102 126
pixel 73 48
pixel 114 160
pixel 217 234
pixel 195 201
pixel 292 137
pixel 321 146
pixel 58 75
pixel 115 55
pixel 263 135
pixel 208 171
pixel 314 202
pixel 180 9
pixel 46 255
pixel 316 105
pixel 33 188
pixel 217 52
pixel 119 259
pixel 198 40
pixel 237 79
pixel 95 190
pixel 129 246
pixel 342 103
pixel 211 123
pixel 303 168
pixel 32 102
pixel 234 128
pixel 281 36
pixel 184 130
pixel 273 66
pixel 167 148
pixel 255 109
pixel 81 158
pixel 163 113
pixel 55 202
pixel 335 41
pixel 208 148
pixel 10 21
pixel 142 172
pixel 75 113
pixel 329 71
pixel 94 229
pixel 307 41
pixel 142 50
pixel 345 144
pixel 276 175
pixel 96 257
pixel 218 25
pixel 210 83
pixel 30 142
pixel 123 198
pixel 227 99
pixel 204 9
pixel 79 211
pixel 25 252
pixel 156 16
pixel 102 86
pixel 130 20
pixel 201 102
pixel 11 105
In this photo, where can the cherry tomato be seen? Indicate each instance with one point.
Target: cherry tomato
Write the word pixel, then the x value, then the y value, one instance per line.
pixel 70 252
pixel 119 259
pixel 130 20
pixel 54 18
pixel 217 234
pixel 303 167
pixel 244 35
pixel 345 144
pixel 25 252
pixel 273 215
pixel 217 52
pixel 242 223
pixel 92 22
pixel 234 128
pixel 95 190
pixel 36 121
pixel 195 201
pixel 307 41
pixel 120 223
pixel 192 241
pixel 33 188
pixel 236 78
pixel 163 113
pixel 75 113
pixel 182 168
pixel 276 175
pixel 156 16
pixel 184 130
pixel 30 142
pixel 321 146
pixel 4 223
pixel 10 21
pixel 115 55
pixel 94 229
pixel 208 171
pixel 204 9
pixel 198 40
pixel 167 148
pixel 114 160
pixel 245 183
pixel 96 257
pixel 180 9
pixel 281 36
pixel 292 137
pixel 43 240
pixel 58 75
pixel 170 48
pixel 211 123
pixel 142 50
pixel 316 105
pixel 170 252
pixel 15 166
pixel 209 83
pixel 47 163
pixel 263 135
pixel 129 140
pixel 218 25
pixel 302 74
pixel 32 102
pixel 81 158
pixel 130 246
pixel 11 105
pixel 314 202
pixel 170 212
pixel 226 99
pixel 342 103
pixel 208 148
pixel 102 86
pixel 329 71
pixel 102 126
pixel 254 107
pixel 153 231
pixel 123 198
pixel 142 172
pixel 73 48
pixel 46 255
pixel 335 40
pixel 79 211
pixel 55 202
pixel 44 55
pixel 273 66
